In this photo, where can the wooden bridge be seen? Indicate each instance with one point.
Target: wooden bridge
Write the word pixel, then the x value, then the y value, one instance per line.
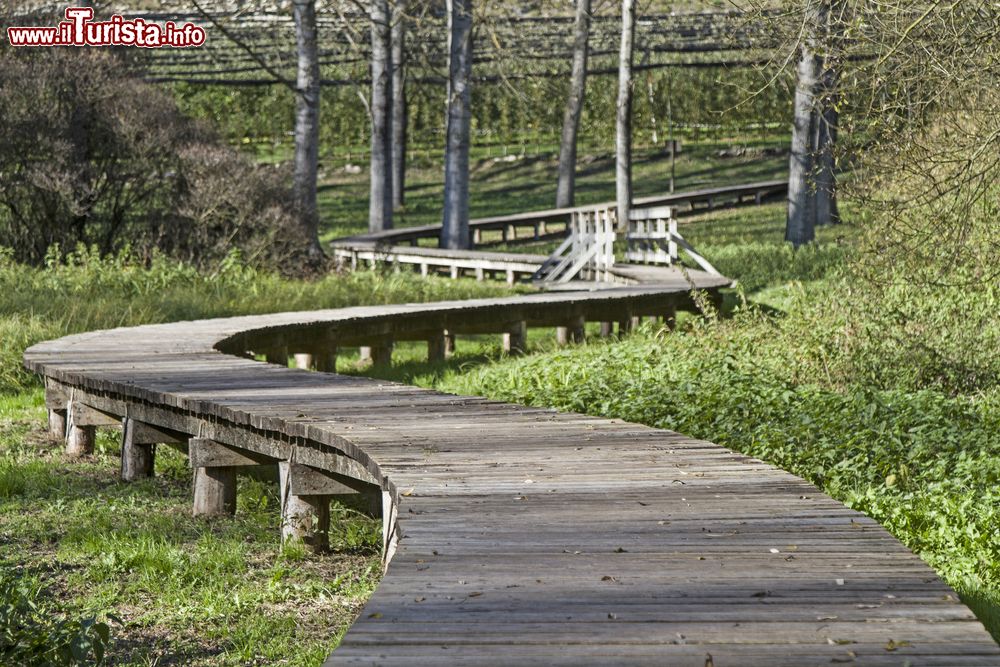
pixel 514 535
pixel 548 224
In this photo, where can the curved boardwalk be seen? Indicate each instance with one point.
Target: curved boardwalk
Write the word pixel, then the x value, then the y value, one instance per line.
pixel 522 536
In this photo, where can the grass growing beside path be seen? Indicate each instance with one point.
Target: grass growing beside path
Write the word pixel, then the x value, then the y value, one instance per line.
pixel 83 546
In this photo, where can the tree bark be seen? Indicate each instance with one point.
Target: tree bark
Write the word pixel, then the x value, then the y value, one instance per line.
pixel 307 124
pixel 399 110
pixel 623 124
pixel 380 201
pixel 801 221
pixel 827 119
pixel 566 188
pixel 455 227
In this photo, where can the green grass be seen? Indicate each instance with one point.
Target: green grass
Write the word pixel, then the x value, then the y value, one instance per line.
pixel 180 590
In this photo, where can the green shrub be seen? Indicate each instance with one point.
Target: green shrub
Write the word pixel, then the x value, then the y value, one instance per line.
pixel 33 631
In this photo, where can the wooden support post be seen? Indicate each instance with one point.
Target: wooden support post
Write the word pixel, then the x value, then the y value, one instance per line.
pixel 454 273
pixel 607 329
pixel 515 338
pixel 277 355
pixel 381 355
pixel 510 277
pixel 137 457
pixel 480 274
pixel 449 344
pixel 80 438
pixel 57 423
pixel 424 269
pixel 326 362
pixel 304 361
pixel 627 325
pixel 215 474
pixel 214 491
pixel 305 512
pixel 436 347
pixel 364 353
pixel 573 332
pixel 670 317
pixel 477 237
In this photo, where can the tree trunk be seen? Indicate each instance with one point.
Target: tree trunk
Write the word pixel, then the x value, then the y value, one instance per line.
pixel 455 227
pixel 800 225
pixel 623 124
pixel 307 124
pixel 827 120
pixel 565 191
pixel 399 115
pixel 380 199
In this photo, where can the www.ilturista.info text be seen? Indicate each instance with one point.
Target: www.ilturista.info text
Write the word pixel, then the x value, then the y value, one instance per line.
pixel 79 29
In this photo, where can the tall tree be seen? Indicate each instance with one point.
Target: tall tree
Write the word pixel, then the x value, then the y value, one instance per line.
pixel 399 109
pixel 623 124
pixel 827 119
pixel 380 202
pixel 566 189
pixel 455 227
pixel 801 219
pixel 307 123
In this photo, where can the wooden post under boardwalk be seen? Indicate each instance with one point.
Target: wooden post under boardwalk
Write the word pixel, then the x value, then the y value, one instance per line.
pixel 79 439
pixel 303 517
pixel 214 491
pixel 137 458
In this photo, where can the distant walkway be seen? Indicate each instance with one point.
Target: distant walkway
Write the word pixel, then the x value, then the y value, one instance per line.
pixel 402 247
pixel 551 223
pixel 513 535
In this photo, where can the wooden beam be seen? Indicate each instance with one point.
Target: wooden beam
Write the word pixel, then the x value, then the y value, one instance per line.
pixel 84 415
pixel 305 480
pixel 147 434
pixel 56 395
pixel 205 453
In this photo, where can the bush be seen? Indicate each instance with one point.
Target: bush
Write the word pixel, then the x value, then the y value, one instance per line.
pixel 89 155
pixel 33 631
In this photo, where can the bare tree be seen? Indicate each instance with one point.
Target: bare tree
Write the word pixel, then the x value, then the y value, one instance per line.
pixel 455 227
pixel 399 110
pixel 801 219
pixel 623 124
pixel 380 202
pixel 566 189
pixel 307 123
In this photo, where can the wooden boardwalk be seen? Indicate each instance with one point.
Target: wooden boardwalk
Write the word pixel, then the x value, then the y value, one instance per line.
pixel 534 226
pixel 515 535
